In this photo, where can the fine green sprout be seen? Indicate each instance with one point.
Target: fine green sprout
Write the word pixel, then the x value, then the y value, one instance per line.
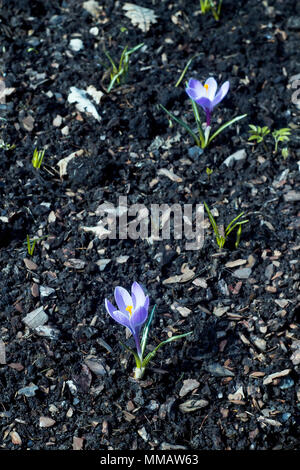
pixel 235 223
pixel 259 134
pixel 281 135
pixel 31 246
pixel 119 72
pixel 211 5
pixel 5 146
pixel 37 158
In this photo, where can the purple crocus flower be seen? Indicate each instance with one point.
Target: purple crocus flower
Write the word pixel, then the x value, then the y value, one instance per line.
pixel 132 310
pixel 206 95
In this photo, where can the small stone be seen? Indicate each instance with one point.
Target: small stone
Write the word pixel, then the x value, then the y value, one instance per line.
pixel 77 443
pixel 30 264
pixel 47 331
pixel 102 263
pixel 28 123
pixel 46 422
pixel 192 405
pixel 195 152
pixel 188 386
pixel 35 290
pixel 143 433
pixel 219 311
pixel 236 158
pixel 95 365
pixel 57 121
pixel 219 371
pixel 243 273
pixel 269 271
pixel 28 391
pixel 292 196
pixel 94 31
pixel 46 291
pixel 15 438
pixel 65 131
pixel 76 44
pixel 122 259
pixel 184 311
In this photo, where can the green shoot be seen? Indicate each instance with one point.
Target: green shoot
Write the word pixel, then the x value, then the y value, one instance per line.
pixel 258 134
pixel 202 138
pixel 119 72
pixel 37 158
pixel 5 146
pixel 184 71
pixel 213 6
pixel 30 247
pixel 281 135
pixel 222 237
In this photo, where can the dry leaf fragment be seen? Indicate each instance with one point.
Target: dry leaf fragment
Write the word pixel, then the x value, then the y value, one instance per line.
pixel 140 16
pixel 83 104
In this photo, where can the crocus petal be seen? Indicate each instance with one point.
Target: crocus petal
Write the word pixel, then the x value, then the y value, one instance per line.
pixel 211 88
pixel 121 318
pixel 109 307
pixel 138 296
pixel 138 317
pixel 221 93
pixel 195 89
pixel 205 103
pixel 123 299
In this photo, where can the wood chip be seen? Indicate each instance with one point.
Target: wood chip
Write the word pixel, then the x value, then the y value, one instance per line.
pixel 2 352
pixel 269 379
pixel 169 174
pixel 237 262
pixel 36 318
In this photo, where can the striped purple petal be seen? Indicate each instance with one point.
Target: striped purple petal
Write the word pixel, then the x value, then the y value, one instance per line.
pixel 221 93
pixel 123 299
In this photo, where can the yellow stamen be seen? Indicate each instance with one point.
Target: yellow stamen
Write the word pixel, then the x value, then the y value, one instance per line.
pixel 129 309
pixel 206 87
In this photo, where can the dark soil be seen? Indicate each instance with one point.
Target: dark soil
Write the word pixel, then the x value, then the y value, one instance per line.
pixel 68 384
